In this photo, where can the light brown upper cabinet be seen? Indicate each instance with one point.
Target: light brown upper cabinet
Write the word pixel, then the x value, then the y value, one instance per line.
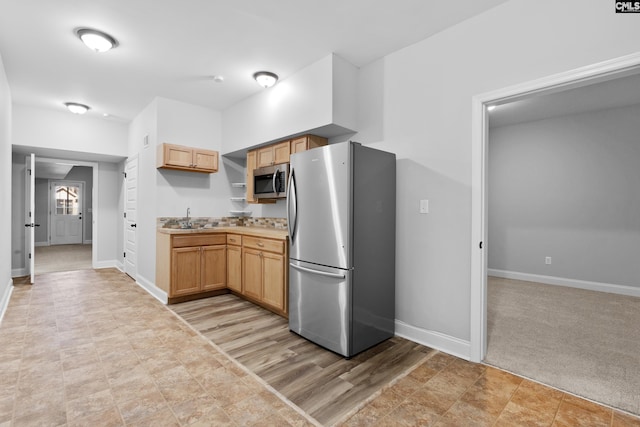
pixel 273 154
pixel 171 156
pixel 307 142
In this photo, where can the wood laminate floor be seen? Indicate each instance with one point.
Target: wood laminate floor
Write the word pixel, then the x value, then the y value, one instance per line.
pixel 325 385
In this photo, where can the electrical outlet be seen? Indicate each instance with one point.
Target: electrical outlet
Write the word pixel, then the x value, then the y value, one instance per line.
pixel 547 260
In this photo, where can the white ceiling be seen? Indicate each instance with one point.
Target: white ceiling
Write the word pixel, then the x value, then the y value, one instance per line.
pixel 172 48
pixel 619 92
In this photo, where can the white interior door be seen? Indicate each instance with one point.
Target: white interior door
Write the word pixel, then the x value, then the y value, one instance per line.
pixel 66 212
pixel 30 210
pixel 130 226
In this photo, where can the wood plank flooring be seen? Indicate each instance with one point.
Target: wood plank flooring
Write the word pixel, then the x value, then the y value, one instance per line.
pixel 325 385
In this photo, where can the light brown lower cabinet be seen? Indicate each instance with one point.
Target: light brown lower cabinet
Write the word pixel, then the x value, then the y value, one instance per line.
pixel 264 272
pixel 234 262
pixel 201 265
pixel 191 265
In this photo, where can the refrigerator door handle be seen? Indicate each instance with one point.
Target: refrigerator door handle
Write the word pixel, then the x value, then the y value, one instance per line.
pixel 318 272
pixel 292 202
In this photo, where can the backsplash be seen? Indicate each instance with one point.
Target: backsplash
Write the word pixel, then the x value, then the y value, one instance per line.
pixel 232 221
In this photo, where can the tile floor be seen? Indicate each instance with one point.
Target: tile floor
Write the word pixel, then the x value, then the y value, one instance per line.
pixel 89 348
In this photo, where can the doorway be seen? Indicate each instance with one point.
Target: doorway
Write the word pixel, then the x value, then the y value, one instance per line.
pixel 65 196
pixel 581 77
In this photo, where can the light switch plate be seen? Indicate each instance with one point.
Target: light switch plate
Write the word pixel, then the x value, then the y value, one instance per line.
pixel 424 206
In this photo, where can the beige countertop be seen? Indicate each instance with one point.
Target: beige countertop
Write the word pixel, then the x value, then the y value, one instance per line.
pixel 274 233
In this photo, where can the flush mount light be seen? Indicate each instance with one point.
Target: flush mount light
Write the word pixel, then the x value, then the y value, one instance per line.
pixel 218 79
pixel 96 40
pixel 265 78
pixel 491 107
pixel 76 108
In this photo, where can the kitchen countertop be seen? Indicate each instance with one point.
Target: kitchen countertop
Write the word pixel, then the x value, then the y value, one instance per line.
pixel 274 233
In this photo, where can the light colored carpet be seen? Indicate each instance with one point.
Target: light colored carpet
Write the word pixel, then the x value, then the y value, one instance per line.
pixel 62 258
pixel 583 342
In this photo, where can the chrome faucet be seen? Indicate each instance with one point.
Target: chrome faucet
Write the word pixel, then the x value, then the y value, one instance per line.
pixel 188 213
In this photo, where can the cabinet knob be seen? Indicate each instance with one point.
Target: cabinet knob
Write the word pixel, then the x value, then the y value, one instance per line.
pixel 261 244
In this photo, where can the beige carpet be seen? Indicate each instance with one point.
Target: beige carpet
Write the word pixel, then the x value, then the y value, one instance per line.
pixel 583 342
pixel 62 258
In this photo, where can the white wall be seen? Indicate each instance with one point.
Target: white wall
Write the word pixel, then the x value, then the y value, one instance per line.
pixel 568 188
pixel 41 234
pixel 427 98
pixel 109 233
pixel 5 189
pixel 61 130
pixel 319 95
pixel 164 192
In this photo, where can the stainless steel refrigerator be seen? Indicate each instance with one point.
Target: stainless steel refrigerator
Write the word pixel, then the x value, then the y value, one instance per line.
pixel 341 216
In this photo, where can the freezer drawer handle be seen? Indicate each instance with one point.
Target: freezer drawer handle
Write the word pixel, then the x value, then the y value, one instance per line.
pixel 318 272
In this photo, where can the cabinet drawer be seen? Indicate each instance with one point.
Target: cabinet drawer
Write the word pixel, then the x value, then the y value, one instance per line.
pixel 198 240
pixel 234 239
pixel 270 245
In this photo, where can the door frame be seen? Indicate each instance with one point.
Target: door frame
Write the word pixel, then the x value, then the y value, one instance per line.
pixel 94 201
pixel 30 216
pixel 602 71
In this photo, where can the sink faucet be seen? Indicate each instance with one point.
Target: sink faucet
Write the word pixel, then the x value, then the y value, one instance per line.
pixel 188 212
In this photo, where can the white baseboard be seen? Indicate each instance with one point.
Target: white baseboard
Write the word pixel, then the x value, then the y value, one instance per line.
pixel 152 289
pixel 111 263
pixel 41 243
pixel 18 272
pixel 4 298
pixel 120 266
pixel 433 339
pixel 572 283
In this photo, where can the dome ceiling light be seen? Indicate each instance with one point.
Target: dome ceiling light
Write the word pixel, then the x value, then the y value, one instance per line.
pixel 96 40
pixel 77 108
pixel 265 79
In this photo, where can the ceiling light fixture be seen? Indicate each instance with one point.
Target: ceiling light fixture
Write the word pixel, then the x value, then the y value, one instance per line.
pixel 76 108
pixel 491 107
pixel 96 40
pixel 265 78
pixel 218 79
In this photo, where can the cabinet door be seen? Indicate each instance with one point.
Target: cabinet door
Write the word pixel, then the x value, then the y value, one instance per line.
pixel 205 159
pixel 185 271
pixel 214 267
pixel 251 165
pixel 281 152
pixel 298 145
pixel 252 273
pixel 176 155
pixel 234 268
pixel 265 156
pixel 273 277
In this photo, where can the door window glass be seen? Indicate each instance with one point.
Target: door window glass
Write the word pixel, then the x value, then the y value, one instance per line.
pixel 67 200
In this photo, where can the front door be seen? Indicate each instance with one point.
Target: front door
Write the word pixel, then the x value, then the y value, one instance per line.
pixel 66 212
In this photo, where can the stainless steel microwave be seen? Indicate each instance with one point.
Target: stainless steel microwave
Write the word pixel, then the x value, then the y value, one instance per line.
pixel 270 182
